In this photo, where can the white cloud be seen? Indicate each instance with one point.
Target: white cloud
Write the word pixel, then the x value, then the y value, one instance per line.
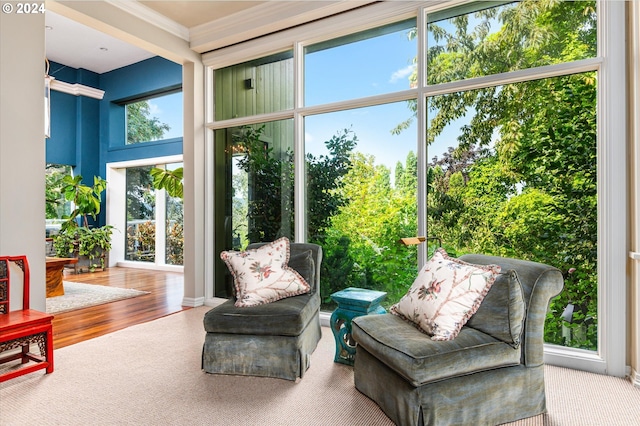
pixel 154 109
pixel 308 138
pixel 402 73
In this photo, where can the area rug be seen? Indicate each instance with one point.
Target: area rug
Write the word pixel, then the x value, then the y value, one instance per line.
pixel 80 295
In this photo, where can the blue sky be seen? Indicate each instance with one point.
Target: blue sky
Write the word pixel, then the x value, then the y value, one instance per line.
pixel 373 66
pixel 168 109
pixel 370 67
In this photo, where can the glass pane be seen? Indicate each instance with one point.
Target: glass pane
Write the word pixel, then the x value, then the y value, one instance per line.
pixel 254 188
pixel 154 119
pixel 361 198
pixel 466 43
pixel 174 231
pixel 141 228
pixel 370 63
pixel 513 173
pixel 256 87
pixel 56 206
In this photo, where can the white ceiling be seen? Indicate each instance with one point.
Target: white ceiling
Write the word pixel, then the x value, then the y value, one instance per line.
pixel 213 23
pixel 193 13
pixel 78 46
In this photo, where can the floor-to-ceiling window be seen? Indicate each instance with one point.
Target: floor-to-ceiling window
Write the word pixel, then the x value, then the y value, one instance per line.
pixel 482 125
pixel 141 215
pixel 513 167
pixel 149 221
pixel 361 159
pixel 154 227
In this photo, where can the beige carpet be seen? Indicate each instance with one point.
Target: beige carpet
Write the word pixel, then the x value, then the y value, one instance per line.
pixel 150 374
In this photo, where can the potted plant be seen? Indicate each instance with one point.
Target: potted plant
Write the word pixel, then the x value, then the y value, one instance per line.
pixel 89 244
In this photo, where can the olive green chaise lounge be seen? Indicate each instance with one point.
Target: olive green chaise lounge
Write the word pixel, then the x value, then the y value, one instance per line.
pixel 491 373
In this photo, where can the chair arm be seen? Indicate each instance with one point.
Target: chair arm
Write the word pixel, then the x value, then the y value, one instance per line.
pixel 548 285
pixel 540 283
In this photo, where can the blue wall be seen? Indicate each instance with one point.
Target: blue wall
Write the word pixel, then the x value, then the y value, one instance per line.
pixel 72 118
pixel 88 133
pixel 146 78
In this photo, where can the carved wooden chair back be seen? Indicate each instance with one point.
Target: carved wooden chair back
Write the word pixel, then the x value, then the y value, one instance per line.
pixel 14 270
pixel 22 328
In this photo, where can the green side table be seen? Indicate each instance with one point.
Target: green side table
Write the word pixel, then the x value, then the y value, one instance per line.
pixel 352 302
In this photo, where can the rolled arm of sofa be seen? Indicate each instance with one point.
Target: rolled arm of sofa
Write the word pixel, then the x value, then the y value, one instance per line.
pixel 548 285
pixel 540 283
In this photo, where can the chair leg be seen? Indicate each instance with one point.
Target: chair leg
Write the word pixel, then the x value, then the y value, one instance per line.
pixel 25 353
pixel 49 339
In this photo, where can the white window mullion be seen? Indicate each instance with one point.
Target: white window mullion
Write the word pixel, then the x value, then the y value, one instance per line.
pixel 161 226
pixel 422 155
pixel 300 193
pixel 612 189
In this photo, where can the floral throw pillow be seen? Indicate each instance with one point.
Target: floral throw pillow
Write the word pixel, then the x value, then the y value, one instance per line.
pixel 446 293
pixel 262 275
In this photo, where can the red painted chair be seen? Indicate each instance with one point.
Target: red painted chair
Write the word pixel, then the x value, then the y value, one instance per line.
pixel 21 328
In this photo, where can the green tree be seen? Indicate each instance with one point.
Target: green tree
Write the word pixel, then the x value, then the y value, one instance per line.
pixel 270 176
pixel 56 205
pixel 533 194
pixel 141 198
pixel 141 126
pixel 375 214
pixel 324 178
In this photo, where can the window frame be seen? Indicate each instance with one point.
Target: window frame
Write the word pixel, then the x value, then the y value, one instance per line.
pixel 610 357
pixel 117 215
pixel 143 98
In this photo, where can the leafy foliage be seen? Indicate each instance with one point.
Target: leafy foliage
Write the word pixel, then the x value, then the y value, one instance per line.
pixel 271 179
pixel 531 190
pixel 86 199
pixel 140 199
pixel 141 126
pixel 169 180
pixel 365 230
pixel 55 205
pixel 74 239
pixel 141 241
pixel 175 243
pixel 324 178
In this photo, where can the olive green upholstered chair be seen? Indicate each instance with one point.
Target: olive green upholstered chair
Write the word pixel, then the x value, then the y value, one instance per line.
pixel 271 340
pixel 491 373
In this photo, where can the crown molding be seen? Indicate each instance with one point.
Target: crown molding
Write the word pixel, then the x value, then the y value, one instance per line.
pixel 370 16
pixel 133 7
pixel 264 19
pixel 76 89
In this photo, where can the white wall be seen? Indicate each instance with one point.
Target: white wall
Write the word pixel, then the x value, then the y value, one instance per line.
pixel 22 144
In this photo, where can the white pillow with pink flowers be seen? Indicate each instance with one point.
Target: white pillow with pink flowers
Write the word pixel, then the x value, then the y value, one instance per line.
pixel 262 275
pixel 446 293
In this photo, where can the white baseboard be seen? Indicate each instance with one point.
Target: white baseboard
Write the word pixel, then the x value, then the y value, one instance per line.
pixel 193 302
pixel 635 378
pixel 324 319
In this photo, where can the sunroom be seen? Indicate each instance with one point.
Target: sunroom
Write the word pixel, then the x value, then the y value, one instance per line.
pixel 493 127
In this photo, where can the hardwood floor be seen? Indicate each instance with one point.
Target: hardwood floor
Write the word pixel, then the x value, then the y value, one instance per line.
pixel 165 297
